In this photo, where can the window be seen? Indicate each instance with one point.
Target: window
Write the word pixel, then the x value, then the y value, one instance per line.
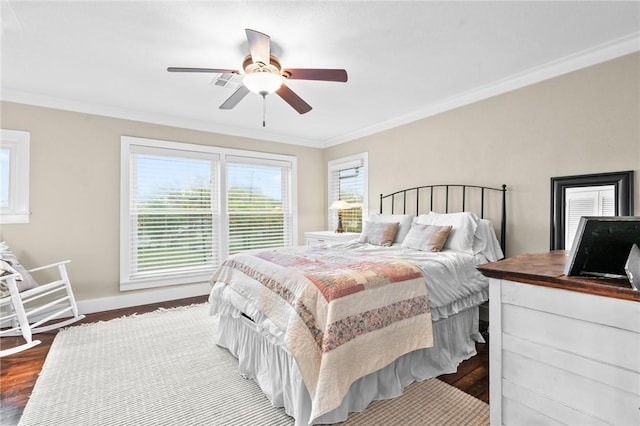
pixel 348 181
pixel 258 204
pixel 14 176
pixel 186 207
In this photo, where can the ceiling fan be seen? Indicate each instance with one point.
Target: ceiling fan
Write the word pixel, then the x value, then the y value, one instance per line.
pixel 263 74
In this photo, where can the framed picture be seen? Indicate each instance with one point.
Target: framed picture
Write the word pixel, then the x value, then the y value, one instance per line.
pixel 621 184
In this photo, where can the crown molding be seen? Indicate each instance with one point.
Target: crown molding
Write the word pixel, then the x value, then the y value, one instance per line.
pixel 29 98
pixel 574 62
pixel 584 59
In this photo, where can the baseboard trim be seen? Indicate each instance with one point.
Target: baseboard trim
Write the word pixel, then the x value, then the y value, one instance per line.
pixel 128 299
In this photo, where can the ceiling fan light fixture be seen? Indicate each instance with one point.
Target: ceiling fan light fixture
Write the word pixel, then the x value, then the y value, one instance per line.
pixel 262 83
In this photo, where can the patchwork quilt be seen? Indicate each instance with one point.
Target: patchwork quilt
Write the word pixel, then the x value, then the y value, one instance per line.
pixel 343 315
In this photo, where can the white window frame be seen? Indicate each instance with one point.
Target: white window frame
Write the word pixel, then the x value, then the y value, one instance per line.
pixel 127 142
pixel 361 159
pixel 18 143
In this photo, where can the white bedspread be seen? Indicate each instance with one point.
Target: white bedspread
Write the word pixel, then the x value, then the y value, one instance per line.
pixel 453 282
pixel 344 314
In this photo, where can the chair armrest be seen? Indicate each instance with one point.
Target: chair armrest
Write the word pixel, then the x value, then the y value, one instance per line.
pixel 9 276
pixel 10 280
pixel 64 262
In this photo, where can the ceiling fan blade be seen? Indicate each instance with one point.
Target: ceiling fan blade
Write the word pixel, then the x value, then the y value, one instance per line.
pixel 209 70
pixel 259 46
pixel 316 74
pixel 236 97
pixel 292 99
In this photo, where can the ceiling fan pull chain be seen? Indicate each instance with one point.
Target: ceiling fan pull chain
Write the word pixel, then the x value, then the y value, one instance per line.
pixel 264 110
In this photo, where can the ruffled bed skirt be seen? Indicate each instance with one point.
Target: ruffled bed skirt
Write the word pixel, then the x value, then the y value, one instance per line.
pixel 263 358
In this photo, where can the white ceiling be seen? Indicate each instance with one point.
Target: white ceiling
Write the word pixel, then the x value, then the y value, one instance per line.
pixel 405 60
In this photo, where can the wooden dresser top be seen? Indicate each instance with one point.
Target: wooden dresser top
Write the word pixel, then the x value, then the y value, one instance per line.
pixel 546 269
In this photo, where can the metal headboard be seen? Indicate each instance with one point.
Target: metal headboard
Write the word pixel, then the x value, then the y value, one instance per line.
pixel 472 189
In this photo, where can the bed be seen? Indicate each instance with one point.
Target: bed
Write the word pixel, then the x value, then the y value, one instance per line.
pixel 326 330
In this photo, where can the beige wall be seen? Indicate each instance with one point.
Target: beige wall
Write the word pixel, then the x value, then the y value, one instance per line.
pixel 584 122
pixel 75 189
pixel 579 123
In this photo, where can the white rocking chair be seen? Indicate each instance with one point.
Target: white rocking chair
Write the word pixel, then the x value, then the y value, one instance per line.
pixel 25 312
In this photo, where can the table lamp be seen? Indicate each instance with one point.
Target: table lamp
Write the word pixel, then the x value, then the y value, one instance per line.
pixel 339 205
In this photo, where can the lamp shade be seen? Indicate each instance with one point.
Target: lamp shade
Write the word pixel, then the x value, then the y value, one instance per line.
pixel 262 83
pixel 339 204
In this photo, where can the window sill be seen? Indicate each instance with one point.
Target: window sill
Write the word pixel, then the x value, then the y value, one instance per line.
pixel 7 218
pixel 163 281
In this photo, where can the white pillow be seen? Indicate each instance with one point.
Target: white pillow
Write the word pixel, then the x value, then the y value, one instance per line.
pixel 464 225
pixel 485 241
pixel 404 221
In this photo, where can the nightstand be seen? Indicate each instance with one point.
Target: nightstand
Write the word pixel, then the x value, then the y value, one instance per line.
pixel 319 238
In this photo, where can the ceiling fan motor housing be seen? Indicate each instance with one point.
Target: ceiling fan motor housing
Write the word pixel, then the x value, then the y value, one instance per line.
pixel 273 66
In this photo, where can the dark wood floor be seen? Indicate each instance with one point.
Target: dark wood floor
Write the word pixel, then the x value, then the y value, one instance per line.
pixel 18 373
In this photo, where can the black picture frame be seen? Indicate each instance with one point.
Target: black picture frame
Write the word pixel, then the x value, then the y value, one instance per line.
pixel 622 182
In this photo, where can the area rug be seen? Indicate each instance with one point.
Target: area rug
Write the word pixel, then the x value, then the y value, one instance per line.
pixel 164 368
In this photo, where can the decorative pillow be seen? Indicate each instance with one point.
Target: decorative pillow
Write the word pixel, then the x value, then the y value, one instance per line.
pixel 9 264
pixel 404 221
pixel 426 237
pixel 464 225
pixel 379 233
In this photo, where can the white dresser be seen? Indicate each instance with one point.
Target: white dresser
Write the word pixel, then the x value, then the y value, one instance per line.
pixel 318 238
pixel 563 350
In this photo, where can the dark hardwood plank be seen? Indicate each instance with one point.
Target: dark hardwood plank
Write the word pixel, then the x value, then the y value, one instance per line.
pixel 472 376
pixel 19 372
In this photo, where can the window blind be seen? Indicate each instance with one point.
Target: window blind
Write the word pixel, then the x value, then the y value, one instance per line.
pixel 173 221
pixel 258 204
